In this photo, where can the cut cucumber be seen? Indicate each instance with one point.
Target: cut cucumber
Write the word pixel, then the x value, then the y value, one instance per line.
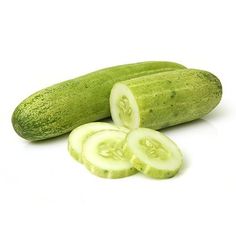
pixel 81 133
pixel 160 100
pixel 153 153
pixel 124 107
pixel 103 154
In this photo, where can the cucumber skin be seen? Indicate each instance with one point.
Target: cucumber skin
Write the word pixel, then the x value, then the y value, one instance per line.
pixel 106 174
pixel 62 107
pixel 174 97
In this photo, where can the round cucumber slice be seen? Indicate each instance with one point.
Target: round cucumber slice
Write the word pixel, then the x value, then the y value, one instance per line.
pixel 81 133
pixel 103 154
pixel 153 153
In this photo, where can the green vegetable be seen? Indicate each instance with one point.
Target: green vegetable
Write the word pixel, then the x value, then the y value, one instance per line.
pixel 153 153
pixel 160 100
pixel 103 154
pixel 62 107
pixel 78 136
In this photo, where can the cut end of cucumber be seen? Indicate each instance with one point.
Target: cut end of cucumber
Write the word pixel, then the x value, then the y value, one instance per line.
pixel 103 154
pixel 153 153
pixel 124 109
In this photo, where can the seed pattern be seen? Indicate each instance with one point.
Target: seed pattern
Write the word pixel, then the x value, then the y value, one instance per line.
pixel 125 110
pixel 154 149
pixel 111 149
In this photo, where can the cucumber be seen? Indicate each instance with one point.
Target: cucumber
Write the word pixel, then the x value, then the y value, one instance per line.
pixel 60 108
pixel 103 154
pixel 153 153
pixel 160 100
pixel 81 133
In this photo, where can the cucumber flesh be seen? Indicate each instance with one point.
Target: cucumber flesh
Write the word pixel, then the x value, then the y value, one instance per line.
pixel 153 153
pixel 123 106
pixel 103 154
pixel 81 133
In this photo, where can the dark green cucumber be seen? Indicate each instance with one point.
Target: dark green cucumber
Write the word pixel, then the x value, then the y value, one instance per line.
pixel 165 99
pixel 62 107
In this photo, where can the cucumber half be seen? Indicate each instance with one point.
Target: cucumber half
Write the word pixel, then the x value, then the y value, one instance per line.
pixel 103 154
pixel 165 99
pixel 81 133
pixel 153 153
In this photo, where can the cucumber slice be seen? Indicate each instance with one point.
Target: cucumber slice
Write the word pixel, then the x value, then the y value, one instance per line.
pixel 81 133
pixel 103 154
pixel 153 153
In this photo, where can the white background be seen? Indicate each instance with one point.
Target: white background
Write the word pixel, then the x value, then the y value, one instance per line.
pixel 43 191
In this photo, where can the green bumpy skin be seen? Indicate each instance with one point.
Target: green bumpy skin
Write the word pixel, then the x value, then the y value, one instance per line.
pixel 62 107
pixel 166 99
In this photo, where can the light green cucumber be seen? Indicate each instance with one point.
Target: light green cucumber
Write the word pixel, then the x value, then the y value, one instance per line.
pixel 78 136
pixel 64 106
pixel 160 100
pixel 153 153
pixel 103 154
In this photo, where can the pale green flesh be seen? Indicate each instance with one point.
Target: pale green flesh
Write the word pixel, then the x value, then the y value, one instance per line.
pixel 103 154
pixel 78 136
pixel 166 99
pixel 154 149
pixel 125 111
pixel 153 154
pixel 111 149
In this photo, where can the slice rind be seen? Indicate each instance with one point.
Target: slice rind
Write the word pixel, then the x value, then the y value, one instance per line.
pixel 81 133
pixel 103 154
pixel 153 153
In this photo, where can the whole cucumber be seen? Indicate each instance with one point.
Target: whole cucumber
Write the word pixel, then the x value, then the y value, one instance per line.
pixel 64 106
